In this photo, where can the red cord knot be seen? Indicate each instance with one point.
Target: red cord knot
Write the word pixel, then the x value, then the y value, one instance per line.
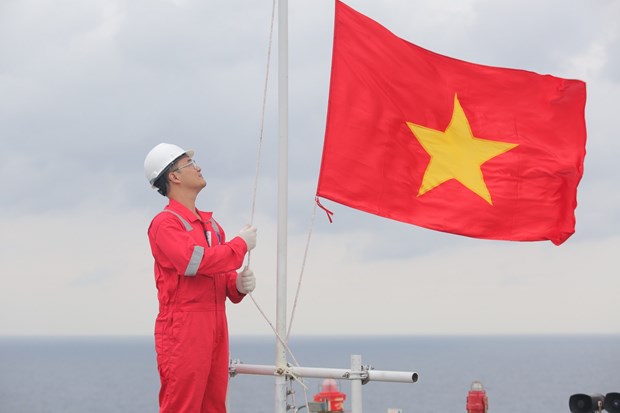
pixel 327 211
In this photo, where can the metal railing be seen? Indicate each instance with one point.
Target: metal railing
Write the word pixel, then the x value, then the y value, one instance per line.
pixel 357 375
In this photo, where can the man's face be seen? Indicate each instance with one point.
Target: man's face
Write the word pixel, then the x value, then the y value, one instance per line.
pixel 189 173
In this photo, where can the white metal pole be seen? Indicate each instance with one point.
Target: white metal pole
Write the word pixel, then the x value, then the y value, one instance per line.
pixel 281 270
pixel 356 385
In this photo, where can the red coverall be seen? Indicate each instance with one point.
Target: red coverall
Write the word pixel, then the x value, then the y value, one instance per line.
pixel 195 270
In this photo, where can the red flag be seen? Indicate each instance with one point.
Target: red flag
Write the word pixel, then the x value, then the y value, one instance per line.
pixel 449 145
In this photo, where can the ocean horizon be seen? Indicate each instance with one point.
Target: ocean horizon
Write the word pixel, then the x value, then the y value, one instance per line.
pixel 520 373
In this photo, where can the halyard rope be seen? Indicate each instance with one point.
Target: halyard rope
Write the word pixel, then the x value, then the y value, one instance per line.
pixel 253 209
pixel 301 274
pixel 262 118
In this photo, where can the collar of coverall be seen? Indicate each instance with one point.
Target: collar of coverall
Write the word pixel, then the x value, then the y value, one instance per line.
pixel 187 214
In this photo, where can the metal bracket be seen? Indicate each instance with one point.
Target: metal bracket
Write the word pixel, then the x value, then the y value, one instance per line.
pixel 358 375
pixel 232 370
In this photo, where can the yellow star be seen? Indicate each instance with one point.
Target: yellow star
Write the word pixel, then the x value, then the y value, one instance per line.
pixel 457 154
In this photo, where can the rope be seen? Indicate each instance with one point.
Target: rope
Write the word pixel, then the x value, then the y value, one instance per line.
pixel 301 274
pixel 292 393
pixel 253 210
pixel 274 330
pixel 262 118
pixel 255 186
pixel 288 373
pixel 258 156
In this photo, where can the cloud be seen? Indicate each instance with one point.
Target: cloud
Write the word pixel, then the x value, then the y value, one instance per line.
pixel 75 271
pixel 472 289
pixel 89 87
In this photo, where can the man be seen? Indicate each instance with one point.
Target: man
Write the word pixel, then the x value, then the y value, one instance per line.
pixel 195 271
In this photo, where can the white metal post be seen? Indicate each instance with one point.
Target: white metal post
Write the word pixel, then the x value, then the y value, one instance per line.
pixel 281 270
pixel 356 384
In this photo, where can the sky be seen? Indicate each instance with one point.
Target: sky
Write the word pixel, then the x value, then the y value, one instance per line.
pixel 88 88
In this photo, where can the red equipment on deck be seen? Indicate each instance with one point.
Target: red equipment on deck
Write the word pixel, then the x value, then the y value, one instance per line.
pixel 477 401
pixel 331 396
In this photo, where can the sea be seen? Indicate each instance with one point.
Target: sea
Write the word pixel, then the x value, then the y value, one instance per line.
pixel 520 374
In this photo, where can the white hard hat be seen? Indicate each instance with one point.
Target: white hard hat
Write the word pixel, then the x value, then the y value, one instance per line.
pixel 159 158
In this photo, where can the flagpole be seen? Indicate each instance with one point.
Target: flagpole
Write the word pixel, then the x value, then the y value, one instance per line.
pixel 282 229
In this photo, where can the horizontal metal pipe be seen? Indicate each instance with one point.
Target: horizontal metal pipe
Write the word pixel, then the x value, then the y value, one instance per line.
pixel 340 374
pixel 317 372
pixel 253 369
pixel 394 376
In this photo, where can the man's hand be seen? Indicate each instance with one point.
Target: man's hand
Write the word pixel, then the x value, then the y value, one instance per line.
pixel 248 234
pixel 246 282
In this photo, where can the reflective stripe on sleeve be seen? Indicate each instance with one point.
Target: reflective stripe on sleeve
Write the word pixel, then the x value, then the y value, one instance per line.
pixel 194 261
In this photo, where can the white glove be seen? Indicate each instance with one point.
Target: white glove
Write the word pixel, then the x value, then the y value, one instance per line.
pixel 246 282
pixel 248 234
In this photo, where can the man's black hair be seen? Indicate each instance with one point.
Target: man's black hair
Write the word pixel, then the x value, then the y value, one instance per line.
pixel 162 183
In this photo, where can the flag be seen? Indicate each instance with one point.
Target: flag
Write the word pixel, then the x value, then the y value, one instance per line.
pixel 449 145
